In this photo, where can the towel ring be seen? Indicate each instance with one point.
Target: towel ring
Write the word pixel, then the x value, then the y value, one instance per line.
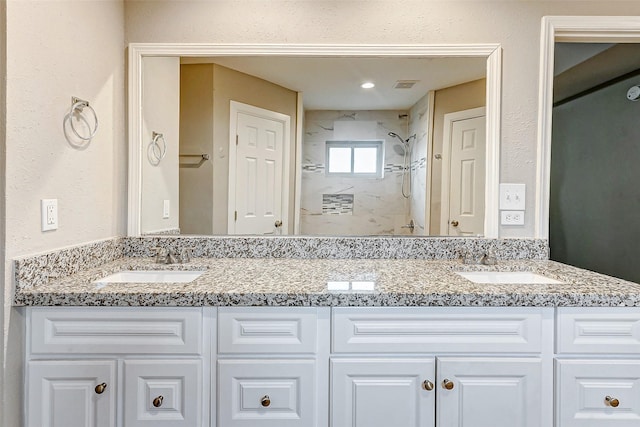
pixel 156 152
pixel 77 106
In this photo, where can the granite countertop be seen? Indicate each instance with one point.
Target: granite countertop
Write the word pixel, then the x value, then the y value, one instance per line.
pixel 332 282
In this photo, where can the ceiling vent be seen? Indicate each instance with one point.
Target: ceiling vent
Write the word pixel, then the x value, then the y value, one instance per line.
pixel 405 84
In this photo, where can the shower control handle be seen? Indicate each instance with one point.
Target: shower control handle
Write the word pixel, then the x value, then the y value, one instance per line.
pixel 455 223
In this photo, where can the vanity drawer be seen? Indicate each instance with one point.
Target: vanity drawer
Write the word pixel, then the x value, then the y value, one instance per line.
pixel 267 393
pixel 267 330
pixel 163 393
pixel 437 330
pixel 582 389
pixel 598 330
pixel 116 330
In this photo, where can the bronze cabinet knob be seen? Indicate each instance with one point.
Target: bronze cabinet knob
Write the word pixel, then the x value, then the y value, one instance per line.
pixel 157 402
pixel 265 401
pixel 612 401
pixel 427 385
pixel 455 223
pixel 100 388
pixel 447 384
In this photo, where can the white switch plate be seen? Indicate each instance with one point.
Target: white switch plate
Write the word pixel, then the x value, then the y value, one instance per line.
pixel 166 209
pixel 512 217
pixel 49 212
pixel 512 197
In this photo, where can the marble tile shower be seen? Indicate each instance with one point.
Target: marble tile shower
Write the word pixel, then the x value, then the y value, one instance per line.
pixel 378 206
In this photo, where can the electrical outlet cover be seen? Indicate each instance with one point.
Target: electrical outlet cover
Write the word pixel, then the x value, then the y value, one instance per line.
pixel 512 217
pixel 49 213
pixel 512 197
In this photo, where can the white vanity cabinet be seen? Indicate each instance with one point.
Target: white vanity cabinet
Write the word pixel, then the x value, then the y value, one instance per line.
pixel 333 367
pixel 598 367
pixel 470 367
pixel 270 363
pixel 115 366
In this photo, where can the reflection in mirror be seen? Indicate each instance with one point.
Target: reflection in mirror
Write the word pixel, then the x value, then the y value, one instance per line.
pixel 594 195
pixel 260 145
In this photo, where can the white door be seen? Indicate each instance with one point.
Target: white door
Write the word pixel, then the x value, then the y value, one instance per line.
pixel 392 392
pixel 463 173
pixel 489 392
pixel 71 393
pixel 258 171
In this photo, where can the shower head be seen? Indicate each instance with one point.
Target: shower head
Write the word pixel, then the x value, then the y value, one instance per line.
pixel 404 141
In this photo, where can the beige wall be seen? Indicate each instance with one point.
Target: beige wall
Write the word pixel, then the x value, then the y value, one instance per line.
pixel 59 49
pixel 3 70
pixel 196 137
pixel 231 85
pixel 449 100
pixel 161 114
pixel 514 24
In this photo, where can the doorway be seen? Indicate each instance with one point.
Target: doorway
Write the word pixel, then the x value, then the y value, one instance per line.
pixel 463 173
pixel 258 170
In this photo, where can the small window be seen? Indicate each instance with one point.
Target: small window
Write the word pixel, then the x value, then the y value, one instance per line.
pixel 355 158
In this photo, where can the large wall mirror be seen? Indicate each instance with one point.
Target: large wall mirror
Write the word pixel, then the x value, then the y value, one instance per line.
pixel 282 140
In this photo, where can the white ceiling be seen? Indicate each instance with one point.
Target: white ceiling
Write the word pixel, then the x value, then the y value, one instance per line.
pixel 334 83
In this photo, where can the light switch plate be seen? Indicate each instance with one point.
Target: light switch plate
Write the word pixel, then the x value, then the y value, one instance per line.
pixel 49 214
pixel 512 217
pixel 166 208
pixel 512 197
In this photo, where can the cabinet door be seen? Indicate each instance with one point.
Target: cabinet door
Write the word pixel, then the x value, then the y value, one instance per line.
pixel 489 392
pixel 266 393
pixel 390 392
pixel 598 393
pixel 162 393
pixel 71 393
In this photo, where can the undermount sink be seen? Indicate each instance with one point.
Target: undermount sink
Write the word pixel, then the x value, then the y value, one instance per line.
pixel 511 277
pixel 150 276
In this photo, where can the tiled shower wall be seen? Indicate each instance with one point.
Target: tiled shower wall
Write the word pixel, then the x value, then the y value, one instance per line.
pixel 378 206
pixel 419 126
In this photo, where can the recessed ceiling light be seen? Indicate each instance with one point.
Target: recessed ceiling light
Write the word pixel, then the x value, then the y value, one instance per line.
pixel 367 85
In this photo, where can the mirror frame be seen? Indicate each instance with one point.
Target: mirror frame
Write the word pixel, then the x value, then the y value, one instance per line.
pixel 493 53
pixel 577 29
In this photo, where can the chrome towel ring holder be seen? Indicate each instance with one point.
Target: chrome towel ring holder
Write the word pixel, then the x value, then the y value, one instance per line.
pixel 78 107
pixel 155 151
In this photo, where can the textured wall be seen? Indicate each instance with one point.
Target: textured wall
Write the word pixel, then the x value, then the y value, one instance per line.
pixel 514 24
pixel 595 196
pixel 3 86
pixel 55 50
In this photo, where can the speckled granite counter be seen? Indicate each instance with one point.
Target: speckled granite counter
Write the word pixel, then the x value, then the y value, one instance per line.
pixel 333 282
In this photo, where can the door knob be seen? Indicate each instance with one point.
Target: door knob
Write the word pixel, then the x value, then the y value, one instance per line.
pixel 427 385
pixel 454 223
pixel 278 224
pixel 448 384
pixel 265 401
pixel 157 402
pixel 612 401
pixel 100 388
